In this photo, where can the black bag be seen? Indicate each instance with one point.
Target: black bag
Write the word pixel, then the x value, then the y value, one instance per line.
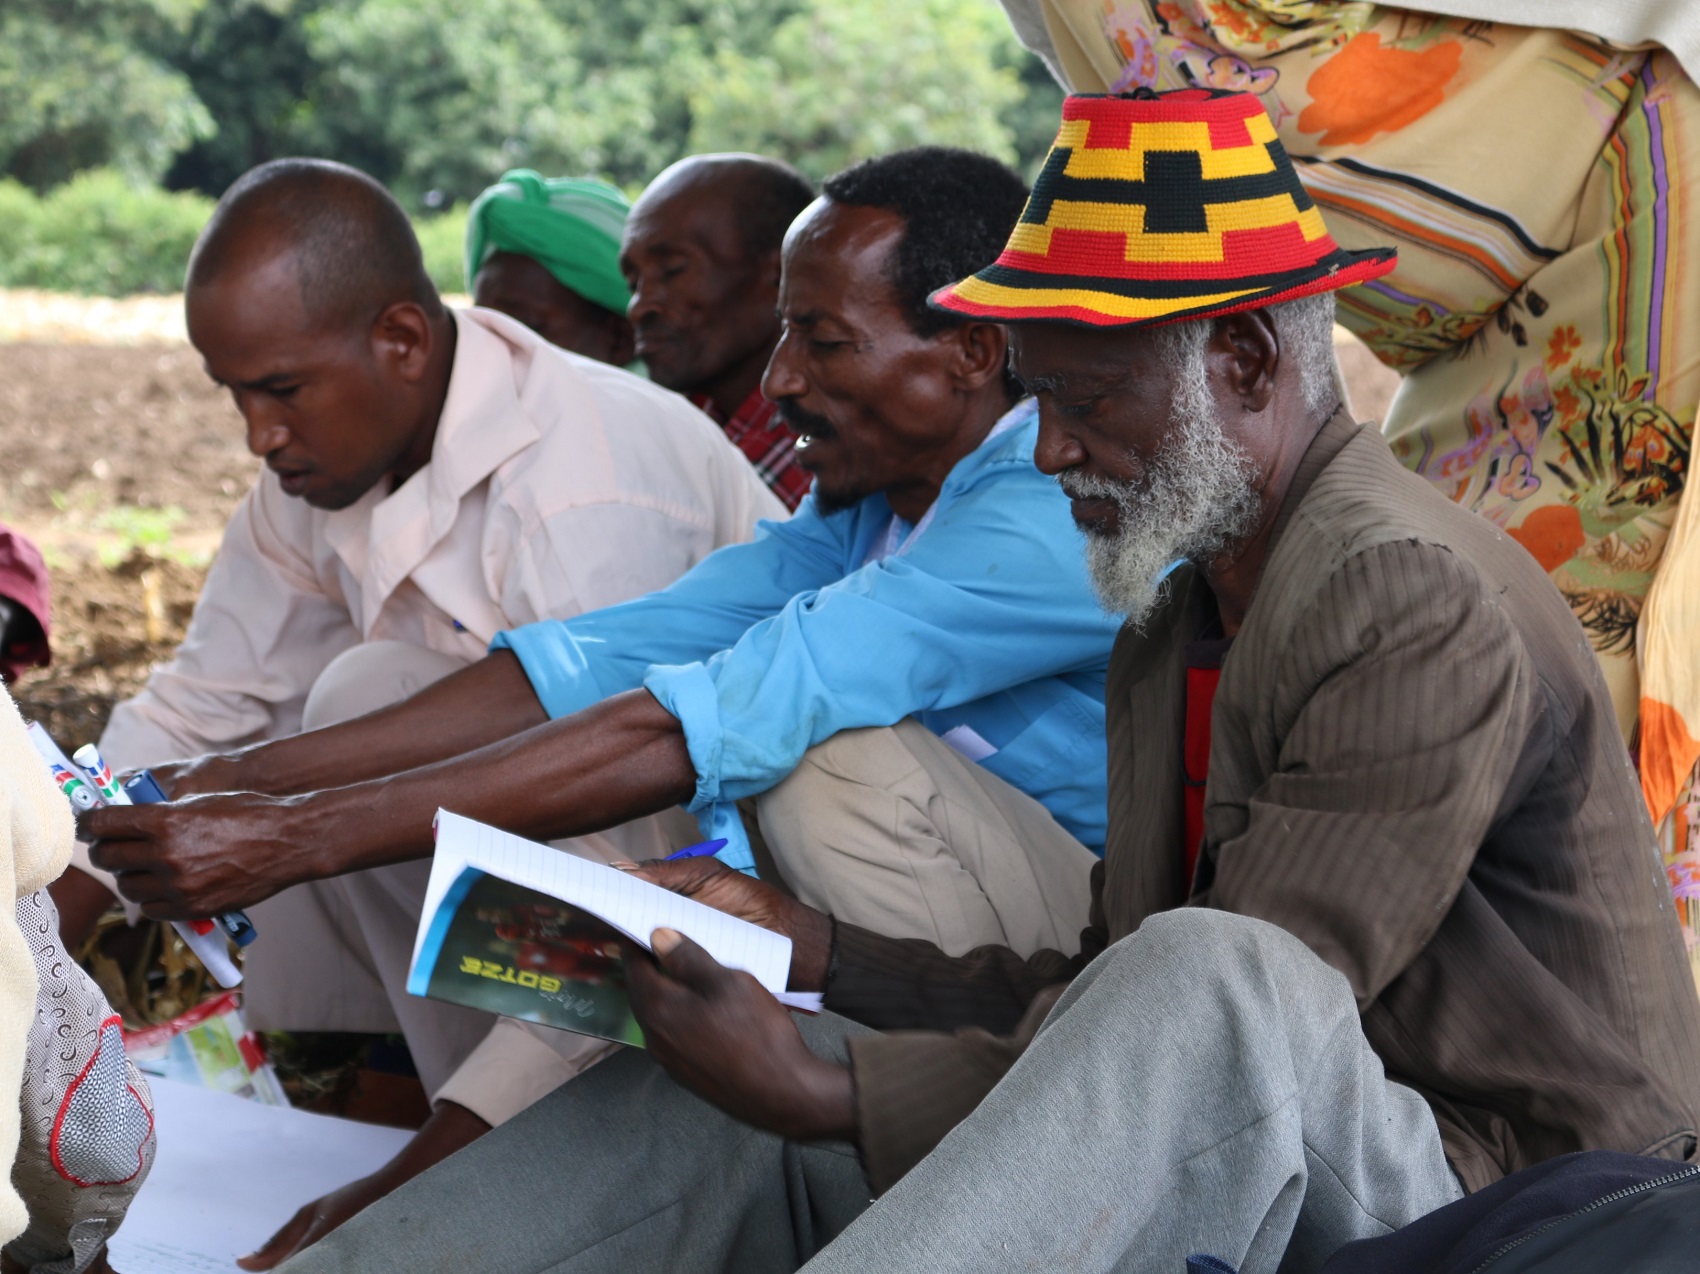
pixel 1596 1212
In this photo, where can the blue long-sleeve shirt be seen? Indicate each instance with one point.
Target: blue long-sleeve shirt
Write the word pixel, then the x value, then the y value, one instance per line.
pixel 983 618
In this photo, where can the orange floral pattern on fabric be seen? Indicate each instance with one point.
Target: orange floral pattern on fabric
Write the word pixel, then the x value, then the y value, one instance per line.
pixel 1564 342
pixel 1368 88
pixel 1552 534
pixel 1663 726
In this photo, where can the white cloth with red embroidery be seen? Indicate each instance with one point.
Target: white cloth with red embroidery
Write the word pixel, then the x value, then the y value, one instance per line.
pixel 86 1138
pixel 75 1114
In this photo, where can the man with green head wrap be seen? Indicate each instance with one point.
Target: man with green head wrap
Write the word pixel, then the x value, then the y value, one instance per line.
pixel 546 252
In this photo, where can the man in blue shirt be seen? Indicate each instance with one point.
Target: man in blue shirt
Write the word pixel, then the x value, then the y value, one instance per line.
pixel 908 675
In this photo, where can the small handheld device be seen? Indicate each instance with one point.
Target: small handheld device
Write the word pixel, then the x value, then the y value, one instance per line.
pixel 143 789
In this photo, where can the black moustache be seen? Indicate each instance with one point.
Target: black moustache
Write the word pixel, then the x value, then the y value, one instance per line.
pixel 802 421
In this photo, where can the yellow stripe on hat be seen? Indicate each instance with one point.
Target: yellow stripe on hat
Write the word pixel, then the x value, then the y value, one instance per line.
pixel 1072 133
pixel 1262 214
pixel 1312 224
pixel 1204 246
pixel 1027 237
pixel 996 295
pixel 1214 162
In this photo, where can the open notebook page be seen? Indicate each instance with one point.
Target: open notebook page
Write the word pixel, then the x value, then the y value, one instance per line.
pixel 633 906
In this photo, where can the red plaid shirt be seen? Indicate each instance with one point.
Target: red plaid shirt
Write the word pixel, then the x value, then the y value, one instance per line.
pixel 756 430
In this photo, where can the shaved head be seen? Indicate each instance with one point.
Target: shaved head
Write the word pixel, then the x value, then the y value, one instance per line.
pixel 350 245
pixel 701 254
pixel 766 194
pixel 308 300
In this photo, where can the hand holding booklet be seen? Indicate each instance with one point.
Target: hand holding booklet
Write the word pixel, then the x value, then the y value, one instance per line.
pixel 531 932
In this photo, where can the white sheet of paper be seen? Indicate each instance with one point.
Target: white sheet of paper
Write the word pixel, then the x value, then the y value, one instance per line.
pixel 635 907
pixel 969 742
pixel 231 1171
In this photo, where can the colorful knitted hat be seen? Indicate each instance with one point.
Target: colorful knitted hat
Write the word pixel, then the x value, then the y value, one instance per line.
pixel 1155 207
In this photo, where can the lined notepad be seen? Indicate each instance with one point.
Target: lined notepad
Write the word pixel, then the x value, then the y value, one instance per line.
pixel 633 906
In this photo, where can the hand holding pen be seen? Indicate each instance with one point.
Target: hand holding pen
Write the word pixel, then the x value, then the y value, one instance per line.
pixel 697 874
pixel 701 850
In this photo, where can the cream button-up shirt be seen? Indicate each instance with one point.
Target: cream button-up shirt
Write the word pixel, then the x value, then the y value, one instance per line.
pixel 556 485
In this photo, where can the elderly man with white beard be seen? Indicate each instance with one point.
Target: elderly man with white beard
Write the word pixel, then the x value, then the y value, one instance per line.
pixel 1357 946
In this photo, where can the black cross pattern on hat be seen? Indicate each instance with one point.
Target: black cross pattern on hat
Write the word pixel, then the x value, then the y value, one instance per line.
pixel 1174 192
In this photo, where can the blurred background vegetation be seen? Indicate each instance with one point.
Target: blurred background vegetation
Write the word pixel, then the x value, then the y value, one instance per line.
pixel 121 120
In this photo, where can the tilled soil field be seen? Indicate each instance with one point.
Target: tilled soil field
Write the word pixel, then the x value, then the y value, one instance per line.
pixel 122 463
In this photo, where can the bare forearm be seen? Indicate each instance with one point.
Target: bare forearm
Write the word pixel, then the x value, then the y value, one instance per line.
pixel 823 1107
pixel 451 1127
pixel 619 760
pixel 488 701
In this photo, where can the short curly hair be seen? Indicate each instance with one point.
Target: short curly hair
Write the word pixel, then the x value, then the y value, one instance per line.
pixel 958 208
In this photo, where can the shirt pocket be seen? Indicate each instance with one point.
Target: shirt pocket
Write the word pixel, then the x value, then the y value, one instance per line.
pixel 1061 760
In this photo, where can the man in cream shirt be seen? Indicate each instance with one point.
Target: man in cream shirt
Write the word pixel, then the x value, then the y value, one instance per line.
pixel 435 477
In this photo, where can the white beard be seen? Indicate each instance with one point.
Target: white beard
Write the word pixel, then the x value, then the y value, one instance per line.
pixel 1195 500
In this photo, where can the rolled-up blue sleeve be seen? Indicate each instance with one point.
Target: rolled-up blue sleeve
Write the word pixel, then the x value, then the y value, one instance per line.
pixel 985 619
pixel 577 662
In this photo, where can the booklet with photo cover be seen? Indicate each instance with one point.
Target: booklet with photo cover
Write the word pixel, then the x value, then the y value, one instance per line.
pixel 532 932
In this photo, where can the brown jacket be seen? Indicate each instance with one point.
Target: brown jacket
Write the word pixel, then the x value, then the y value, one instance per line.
pixel 1414 767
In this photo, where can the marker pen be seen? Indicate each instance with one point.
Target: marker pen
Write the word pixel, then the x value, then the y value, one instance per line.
pixel 69 780
pixel 143 789
pixel 203 937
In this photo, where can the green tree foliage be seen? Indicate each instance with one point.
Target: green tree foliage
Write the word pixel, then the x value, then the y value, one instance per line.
pixel 442 239
pixel 442 95
pixel 437 97
pixel 97 234
pixel 645 64
pixel 102 235
pixel 82 85
pixel 839 82
pixel 249 62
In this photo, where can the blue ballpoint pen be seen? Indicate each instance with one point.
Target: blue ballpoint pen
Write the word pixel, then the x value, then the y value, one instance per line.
pixel 703 850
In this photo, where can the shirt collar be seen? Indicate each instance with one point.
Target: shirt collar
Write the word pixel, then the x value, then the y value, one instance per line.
pixel 899 536
pixel 752 408
pixel 482 425
pixel 383 538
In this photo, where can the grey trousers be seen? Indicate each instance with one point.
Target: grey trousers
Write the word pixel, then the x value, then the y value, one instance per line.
pixel 620 1170
pixel 1204 1087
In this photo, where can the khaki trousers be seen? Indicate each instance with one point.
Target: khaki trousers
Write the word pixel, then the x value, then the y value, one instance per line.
pixel 890 829
pixel 893 830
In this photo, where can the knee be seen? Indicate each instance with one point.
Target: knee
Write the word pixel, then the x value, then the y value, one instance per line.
pixel 370 676
pixel 1190 935
pixel 855 757
pixel 1202 945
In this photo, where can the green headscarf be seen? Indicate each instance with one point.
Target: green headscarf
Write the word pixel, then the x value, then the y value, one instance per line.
pixel 570 226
